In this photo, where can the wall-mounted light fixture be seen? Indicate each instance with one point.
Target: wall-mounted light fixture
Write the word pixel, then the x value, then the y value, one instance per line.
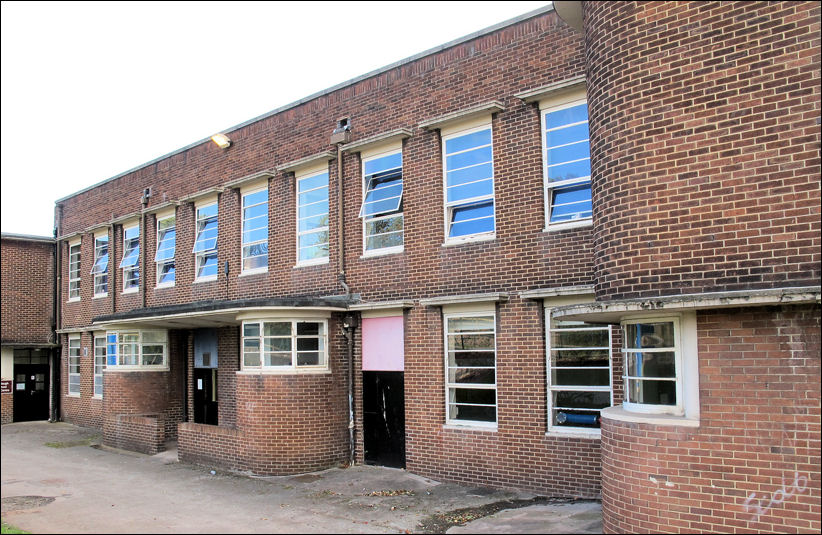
pixel 221 140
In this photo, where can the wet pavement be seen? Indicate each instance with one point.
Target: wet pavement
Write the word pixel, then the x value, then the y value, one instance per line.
pixel 57 479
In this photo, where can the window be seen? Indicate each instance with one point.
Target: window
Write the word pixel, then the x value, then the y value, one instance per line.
pixel 579 374
pixel 74 271
pixel 284 345
pixel 312 219
pixel 567 158
pixel 100 267
pixel 255 231
pixel 166 247
pixel 652 365
pixel 382 202
pixel 74 365
pixel 470 369
pixel 137 349
pixel 131 259
pixel 469 183
pixel 205 245
pixel 99 363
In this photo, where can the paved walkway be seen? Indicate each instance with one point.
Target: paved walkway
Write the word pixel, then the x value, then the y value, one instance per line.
pixel 55 481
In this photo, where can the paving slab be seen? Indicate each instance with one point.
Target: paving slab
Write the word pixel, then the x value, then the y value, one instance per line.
pixel 56 478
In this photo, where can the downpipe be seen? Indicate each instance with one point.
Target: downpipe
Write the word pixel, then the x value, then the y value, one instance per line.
pixel 348 326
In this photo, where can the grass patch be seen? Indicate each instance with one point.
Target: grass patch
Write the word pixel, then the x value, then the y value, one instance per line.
pixel 74 443
pixel 10 529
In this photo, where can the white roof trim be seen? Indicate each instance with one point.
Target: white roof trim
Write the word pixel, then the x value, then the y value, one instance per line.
pixel 308 161
pixel 260 175
pixel 386 137
pixel 542 293
pixel 462 115
pixel 382 305
pixel 534 95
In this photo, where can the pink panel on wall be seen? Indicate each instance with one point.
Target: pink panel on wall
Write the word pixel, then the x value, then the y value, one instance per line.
pixel 383 345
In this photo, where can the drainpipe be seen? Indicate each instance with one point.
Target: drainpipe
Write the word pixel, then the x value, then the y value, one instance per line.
pixel 340 222
pixel 348 326
pixel 112 270
pixel 144 202
pixel 54 380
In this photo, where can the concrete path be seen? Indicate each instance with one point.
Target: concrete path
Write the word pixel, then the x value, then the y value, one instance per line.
pixel 55 481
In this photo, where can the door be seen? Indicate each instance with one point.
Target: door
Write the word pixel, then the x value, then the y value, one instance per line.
pixel 205 396
pixel 384 418
pixel 31 392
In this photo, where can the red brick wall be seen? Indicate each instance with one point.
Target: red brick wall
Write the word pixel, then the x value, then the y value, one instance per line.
pixel 704 145
pixel 518 454
pixel 6 408
pixel 26 284
pixel 759 436
pixel 85 409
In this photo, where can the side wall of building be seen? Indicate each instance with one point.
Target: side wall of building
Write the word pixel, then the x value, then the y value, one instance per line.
pixel 27 287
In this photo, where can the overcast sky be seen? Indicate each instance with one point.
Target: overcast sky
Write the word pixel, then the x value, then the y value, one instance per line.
pixel 90 90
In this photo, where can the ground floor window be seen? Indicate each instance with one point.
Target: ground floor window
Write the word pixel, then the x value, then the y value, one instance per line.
pixel 579 374
pixel 99 363
pixel 284 345
pixel 652 365
pixel 74 365
pixel 470 369
pixel 137 349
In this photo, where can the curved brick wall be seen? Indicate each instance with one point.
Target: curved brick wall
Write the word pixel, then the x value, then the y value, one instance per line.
pixel 753 464
pixel 292 423
pixel 704 145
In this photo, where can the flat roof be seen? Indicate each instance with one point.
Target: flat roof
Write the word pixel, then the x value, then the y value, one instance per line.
pixel 26 237
pixel 490 29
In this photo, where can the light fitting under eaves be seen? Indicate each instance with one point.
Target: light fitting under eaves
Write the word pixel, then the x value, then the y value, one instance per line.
pixel 221 140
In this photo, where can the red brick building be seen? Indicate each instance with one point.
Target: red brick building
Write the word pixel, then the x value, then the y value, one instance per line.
pixel 30 358
pixel 583 262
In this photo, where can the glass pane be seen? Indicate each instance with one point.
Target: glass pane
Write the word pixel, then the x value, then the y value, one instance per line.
pixel 251 358
pixel 567 153
pixel 649 335
pixel 567 171
pixel 471 358
pixel 469 158
pixel 576 418
pixel 255 262
pixel 154 336
pixel 586 357
pixel 277 344
pixel 598 338
pixel 251 345
pixel 470 174
pixel 566 135
pixel 479 323
pixel 582 400
pixel 566 377
pixel 652 392
pixel 308 359
pixel 316 181
pixel 306 328
pixel 472 375
pixel 472 413
pixel 457 144
pixel 377 165
pixel 485 396
pixel 470 190
pixel 207 211
pixel 317 196
pixel 651 364
pixel 573 202
pixel 167 223
pixel 381 241
pixel 471 341
pixel 277 359
pixel 277 328
pixel 256 198
pixel 208 265
pixel 314 222
pixel 565 116
pixel 251 329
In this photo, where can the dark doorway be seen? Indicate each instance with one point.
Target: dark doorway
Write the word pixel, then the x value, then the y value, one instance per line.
pixel 205 376
pixel 383 395
pixel 31 385
pixel 205 396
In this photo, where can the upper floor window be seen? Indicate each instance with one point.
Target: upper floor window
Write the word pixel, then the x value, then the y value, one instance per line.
pixel 284 344
pixel 205 245
pixel 255 230
pixel 74 352
pixel 470 368
pixel 100 268
pixel 652 365
pixel 74 271
pixel 166 247
pixel 382 203
pixel 312 218
pixel 137 349
pixel 131 259
pixel 99 363
pixel 579 374
pixel 469 183
pixel 567 160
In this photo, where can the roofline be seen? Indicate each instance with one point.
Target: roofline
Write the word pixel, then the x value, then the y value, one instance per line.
pixel 26 237
pixel 490 29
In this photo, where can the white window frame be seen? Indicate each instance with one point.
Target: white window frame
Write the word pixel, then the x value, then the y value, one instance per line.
pixel 305 175
pixel 140 342
pixel 98 368
pixel 75 353
pixel 551 388
pixel 96 276
pixel 160 264
pixel 381 251
pixel 448 207
pixel 74 272
pixel 447 317
pixel 199 257
pixel 679 408
pixel 294 367
pixel 556 103
pixel 136 267
pixel 243 194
